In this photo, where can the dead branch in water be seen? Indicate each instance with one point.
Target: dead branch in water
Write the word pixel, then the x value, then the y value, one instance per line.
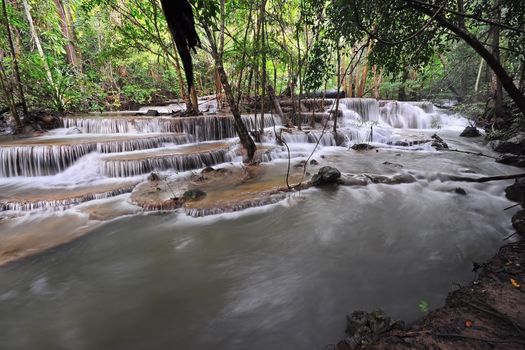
pixel 487 178
pixel 468 152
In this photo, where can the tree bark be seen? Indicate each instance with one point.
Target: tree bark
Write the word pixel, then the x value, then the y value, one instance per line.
pixel 66 28
pixel 58 100
pixel 15 64
pixel 506 80
pixel 240 128
pixel 8 92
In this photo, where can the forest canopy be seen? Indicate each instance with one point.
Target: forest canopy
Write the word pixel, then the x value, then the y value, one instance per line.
pixel 90 55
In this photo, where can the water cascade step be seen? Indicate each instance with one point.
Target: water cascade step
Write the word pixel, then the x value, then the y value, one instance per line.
pixel 202 128
pixel 41 156
pixel 58 198
pixel 178 159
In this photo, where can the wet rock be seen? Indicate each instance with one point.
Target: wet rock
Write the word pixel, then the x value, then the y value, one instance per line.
pixel 393 164
pixel 364 328
pixel 208 170
pixel 514 145
pixel 439 145
pixel 153 177
pixel 151 113
pixel 470 131
pixel 436 137
pixel 314 162
pixel 401 143
pixel 460 191
pixel 518 222
pixel 193 195
pixel 516 191
pixel 326 175
pixel 300 164
pixel 339 139
pixel 512 159
pixel 362 147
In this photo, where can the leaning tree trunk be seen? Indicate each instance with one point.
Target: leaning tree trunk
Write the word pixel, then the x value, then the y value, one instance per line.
pixel 506 80
pixel 240 128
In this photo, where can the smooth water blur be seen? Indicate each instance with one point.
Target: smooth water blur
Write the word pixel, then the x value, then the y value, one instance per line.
pixel 279 276
pixel 282 276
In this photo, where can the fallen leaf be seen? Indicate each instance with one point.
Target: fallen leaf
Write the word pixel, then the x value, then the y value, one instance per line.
pixel 515 283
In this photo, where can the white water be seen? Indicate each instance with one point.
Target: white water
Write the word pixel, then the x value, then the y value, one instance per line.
pixel 279 276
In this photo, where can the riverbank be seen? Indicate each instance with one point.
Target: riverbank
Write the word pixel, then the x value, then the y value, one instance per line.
pixel 488 313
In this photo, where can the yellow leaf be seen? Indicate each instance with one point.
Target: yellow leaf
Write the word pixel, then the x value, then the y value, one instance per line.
pixel 515 283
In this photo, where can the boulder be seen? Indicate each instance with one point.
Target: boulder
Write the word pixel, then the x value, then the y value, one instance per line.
pixel 153 177
pixel 518 222
pixel 512 159
pixel 207 170
pixel 514 145
pixel 327 175
pixel 470 131
pixel 314 162
pixel 516 191
pixel 362 147
pixel 193 195
pixel 363 328
pixel 151 113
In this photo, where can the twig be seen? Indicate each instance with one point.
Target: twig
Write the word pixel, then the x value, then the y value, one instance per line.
pixel 473 153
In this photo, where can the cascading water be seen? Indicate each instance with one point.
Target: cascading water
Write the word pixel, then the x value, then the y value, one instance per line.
pixel 267 277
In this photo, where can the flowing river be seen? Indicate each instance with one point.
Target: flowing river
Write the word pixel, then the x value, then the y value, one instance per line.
pixel 270 277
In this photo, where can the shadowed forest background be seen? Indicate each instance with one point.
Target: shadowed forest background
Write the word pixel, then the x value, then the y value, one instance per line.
pixel 94 55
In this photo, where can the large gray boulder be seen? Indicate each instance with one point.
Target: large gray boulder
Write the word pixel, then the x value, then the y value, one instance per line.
pixel 470 131
pixel 514 145
pixel 327 175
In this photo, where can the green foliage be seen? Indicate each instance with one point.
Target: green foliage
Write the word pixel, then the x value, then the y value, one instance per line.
pixel 423 306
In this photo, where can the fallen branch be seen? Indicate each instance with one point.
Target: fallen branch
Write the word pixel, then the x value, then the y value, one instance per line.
pixel 468 152
pixel 487 178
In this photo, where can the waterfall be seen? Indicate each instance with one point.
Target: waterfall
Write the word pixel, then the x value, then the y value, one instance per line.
pixel 59 204
pixel 202 128
pixel 119 166
pixel 41 159
pixel 409 115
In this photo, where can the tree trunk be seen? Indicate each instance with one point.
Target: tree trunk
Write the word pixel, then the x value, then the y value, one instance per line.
pixel 15 64
pixel 495 83
pixel 505 79
pixel 240 128
pixel 66 28
pixel 336 112
pixel 8 92
pixel 34 35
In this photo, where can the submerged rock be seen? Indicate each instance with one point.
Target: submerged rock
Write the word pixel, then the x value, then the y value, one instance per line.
pixel 314 162
pixel 362 147
pixel 470 131
pixel 327 175
pixel 460 191
pixel 193 195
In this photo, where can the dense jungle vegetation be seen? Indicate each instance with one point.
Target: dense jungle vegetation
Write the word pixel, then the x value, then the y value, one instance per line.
pixel 97 55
